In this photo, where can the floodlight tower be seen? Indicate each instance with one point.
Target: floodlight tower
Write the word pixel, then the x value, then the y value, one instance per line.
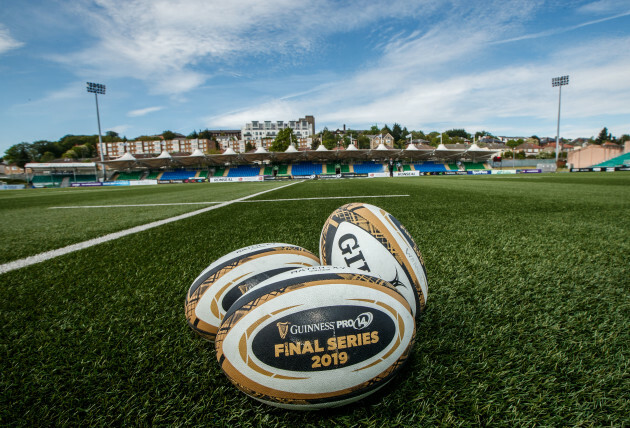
pixel 97 88
pixel 559 82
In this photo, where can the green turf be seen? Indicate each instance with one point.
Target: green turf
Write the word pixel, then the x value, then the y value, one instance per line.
pixel 527 320
pixel 28 224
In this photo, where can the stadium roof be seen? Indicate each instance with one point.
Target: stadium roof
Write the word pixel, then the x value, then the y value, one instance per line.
pixel 413 152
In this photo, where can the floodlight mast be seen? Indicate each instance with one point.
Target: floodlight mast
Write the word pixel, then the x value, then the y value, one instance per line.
pixel 559 82
pixel 97 88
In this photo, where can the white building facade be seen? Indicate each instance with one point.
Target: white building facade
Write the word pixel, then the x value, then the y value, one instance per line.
pixel 262 133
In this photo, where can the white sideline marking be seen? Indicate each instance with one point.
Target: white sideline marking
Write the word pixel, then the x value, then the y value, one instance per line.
pixel 327 197
pixel 236 201
pixel 136 205
pixel 18 264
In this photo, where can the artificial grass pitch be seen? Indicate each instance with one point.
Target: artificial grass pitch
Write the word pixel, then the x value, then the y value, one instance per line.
pixel 527 319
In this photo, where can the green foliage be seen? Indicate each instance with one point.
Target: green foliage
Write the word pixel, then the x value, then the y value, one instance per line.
pixel 249 147
pixel 20 154
pixel 624 138
pixel 514 143
pixel 329 139
pixel 168 135
pixel 70 154
pixel 480 134
pixel 283 140
pixel 419 135
pixel 193 135
pixel 47 157
pixel 461 133
pixel 363 142
pixel 374 130
pixel 385 130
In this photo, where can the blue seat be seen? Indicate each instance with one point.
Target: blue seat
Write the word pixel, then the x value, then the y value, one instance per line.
pixel 243 171
pixel 306 168
pixel 429 166
pixel 368 167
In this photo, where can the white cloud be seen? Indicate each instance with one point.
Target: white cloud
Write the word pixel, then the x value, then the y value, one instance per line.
pixel 165 43
pixel 604 6
pixel 120 129
pixel 144 111
pixel 6 41
pixel 504 98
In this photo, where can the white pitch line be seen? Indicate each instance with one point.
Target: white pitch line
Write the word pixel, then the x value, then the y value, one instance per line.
pixel 207 203
pixel 136 205
pixel 327 197
pixel 38 258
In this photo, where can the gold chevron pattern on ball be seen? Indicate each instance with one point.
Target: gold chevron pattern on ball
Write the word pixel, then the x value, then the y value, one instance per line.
pixel 362 217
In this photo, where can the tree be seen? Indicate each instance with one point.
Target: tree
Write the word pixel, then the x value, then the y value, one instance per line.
pixel 193 135
pixel 249 147
pixel 315 143
pixel 418 135
pixel 47 157
pixel 624 138
pixel 19 154
pixel 396 132
pixel 461 133
pixel 374 130
pixel 69 154
pixel 168 135
pixel 283 140
pixel 535 137
pixel 329 139
pixel 604 136
pixel 363 142
pixel 479 134
pixel 385 130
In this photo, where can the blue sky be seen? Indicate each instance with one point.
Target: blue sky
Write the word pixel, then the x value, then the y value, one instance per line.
pixel 428 65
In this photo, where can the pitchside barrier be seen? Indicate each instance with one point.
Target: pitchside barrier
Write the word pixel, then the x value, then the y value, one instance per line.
pixel 11 186
pixel 601 169
pixel 116 183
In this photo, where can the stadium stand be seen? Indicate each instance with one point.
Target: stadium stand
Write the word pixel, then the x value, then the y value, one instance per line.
pixel 283 169
pixel 306 168
pixel 429 166
pixel 471 166
pixel 219 172
pixel 83 178
pixel 368 167
pixel 452 166
pixel 268 170
pixel 345 168
pixel 331 168
pixel 407 167
pixel 178 174
pixel 43 179
pixel 153 175
pixel 243 171
pixel 203 174
pixel 134 175
pixel 617 161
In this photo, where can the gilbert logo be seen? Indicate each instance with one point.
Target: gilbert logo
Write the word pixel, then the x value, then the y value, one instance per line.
pixel 283 328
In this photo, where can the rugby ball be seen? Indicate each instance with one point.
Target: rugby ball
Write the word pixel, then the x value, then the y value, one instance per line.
pixel 315 337
pixel 370 239
pixel 220 284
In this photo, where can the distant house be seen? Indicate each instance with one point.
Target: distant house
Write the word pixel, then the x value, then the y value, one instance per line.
pixel 12 169
pixel 530 149
pixel 376 140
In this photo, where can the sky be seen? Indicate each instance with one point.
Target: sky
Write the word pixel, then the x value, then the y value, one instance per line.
pixel 428 65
